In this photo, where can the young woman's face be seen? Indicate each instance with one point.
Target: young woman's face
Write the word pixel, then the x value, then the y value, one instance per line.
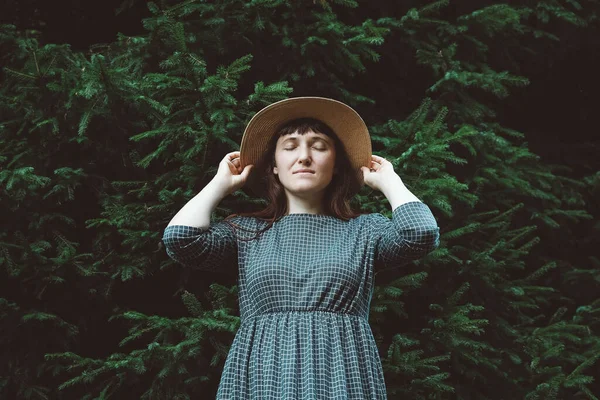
pixel 313 151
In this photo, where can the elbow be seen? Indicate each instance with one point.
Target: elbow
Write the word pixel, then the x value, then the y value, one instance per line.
pixel 407 245
pixel 172 240
pixel 183 244
pixel 432 238
pixel 421 241
pixel 181 236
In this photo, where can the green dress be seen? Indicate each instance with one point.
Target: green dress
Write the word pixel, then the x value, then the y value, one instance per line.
pixel 305 287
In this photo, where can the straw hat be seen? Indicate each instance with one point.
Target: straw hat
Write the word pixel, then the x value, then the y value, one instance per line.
pixel 344 120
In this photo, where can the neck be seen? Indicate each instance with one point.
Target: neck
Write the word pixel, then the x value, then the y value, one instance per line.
pixel 305 205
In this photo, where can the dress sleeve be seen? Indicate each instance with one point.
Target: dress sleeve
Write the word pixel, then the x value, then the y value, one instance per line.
pixel 213 249
pixel 412 233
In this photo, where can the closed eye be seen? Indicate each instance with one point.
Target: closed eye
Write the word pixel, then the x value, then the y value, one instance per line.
pixel 316 148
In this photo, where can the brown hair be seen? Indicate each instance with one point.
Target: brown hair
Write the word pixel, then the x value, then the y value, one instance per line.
pixel 342 188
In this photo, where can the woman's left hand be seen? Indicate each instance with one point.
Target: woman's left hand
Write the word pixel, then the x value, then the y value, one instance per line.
pixel 381 174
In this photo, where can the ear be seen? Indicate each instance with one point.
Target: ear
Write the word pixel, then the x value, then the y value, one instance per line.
pixel 275 170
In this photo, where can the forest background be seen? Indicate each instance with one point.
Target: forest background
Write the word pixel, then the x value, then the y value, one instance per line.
pixel 114 114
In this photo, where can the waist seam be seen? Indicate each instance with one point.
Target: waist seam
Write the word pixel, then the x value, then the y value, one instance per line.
pixel 332 313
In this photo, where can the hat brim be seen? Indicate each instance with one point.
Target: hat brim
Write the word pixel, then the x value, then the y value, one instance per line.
pixel 341 118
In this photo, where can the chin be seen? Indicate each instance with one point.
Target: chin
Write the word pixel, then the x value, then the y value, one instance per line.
pixel 307 188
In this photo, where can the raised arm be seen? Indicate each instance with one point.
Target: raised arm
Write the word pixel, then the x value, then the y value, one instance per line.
pixel 191 239
pixel 412 233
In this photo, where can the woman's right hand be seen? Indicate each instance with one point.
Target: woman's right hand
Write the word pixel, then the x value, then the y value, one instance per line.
pixel 230 177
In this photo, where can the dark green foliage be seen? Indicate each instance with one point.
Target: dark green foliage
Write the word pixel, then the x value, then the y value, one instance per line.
pixel 99 150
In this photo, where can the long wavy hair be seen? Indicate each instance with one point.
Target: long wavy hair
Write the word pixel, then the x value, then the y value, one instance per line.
pixel 343 186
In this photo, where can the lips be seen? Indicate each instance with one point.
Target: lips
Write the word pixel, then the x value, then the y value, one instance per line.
pixel 305 170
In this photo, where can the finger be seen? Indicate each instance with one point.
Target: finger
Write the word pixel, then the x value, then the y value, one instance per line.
pixel 234 163
pixel 246 171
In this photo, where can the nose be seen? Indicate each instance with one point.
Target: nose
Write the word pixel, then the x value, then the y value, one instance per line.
pixel 304 155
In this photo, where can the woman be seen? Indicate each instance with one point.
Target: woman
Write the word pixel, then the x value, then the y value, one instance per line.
pixel 307 262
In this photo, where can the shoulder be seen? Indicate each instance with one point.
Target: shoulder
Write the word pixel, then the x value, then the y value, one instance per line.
pixel 372 224
pixel 244 226
pixel 371 218
pixel 242 221
pixel 367 222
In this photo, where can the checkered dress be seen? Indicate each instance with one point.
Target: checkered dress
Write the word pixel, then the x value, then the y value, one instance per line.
pixel 305 288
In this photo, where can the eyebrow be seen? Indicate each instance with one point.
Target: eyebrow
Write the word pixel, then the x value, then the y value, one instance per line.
pixel 311 139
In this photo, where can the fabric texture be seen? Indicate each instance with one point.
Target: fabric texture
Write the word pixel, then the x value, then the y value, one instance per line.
pixel 305 288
